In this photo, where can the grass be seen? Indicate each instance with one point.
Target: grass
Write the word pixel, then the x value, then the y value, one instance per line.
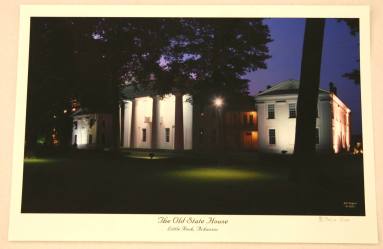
pixel 219 174
pixel 201 184
pixel 39 161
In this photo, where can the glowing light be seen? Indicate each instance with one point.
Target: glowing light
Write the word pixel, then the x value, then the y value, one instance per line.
pixel 65 111
pixel 220 174
pixel 38 161
pixel 73 109
pixel 218 102
pixel 147 157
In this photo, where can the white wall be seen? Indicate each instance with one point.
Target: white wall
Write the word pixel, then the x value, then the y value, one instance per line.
pixel 143 121
pixel 188 122
pixel 340 125
pixel 324 123
pixel 285 126
pixel 166 119
pixel 83 131
pixel 102 125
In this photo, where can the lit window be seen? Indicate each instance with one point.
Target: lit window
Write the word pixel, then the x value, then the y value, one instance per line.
pixel 251 119
pixel 167 135
pixel 270 112
pixel 143 135
pixel 292 110
pixel 317 136
pixel 272 136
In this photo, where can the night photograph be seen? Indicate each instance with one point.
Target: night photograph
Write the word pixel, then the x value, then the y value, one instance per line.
pixel 236 116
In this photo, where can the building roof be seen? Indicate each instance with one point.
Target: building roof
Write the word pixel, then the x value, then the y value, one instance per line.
pixel 284 87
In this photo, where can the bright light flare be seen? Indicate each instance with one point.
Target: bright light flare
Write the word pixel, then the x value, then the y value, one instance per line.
pixel 218 102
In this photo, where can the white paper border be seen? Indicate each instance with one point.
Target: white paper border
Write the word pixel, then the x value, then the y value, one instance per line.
pixel 241 228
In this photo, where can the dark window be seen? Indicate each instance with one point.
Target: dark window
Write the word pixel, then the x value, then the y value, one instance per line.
pixel 75 125
pixel 103 123
pixel 251 119
pixel 272 136
pixel 90 139
pixel 167 135
pixel 75 139
pixel 143 135
pixel 292 110
pixel 317 135
pixel 92 122
pixel 270 112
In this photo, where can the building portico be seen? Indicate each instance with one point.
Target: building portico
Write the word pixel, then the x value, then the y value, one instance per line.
pixel 157 122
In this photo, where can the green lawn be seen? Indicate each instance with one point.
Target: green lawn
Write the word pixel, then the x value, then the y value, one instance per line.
pixel 188 183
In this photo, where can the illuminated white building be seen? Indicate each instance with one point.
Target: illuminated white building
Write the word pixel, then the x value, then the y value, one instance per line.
pixel 154 122
pixel 276 110
pixel 91 130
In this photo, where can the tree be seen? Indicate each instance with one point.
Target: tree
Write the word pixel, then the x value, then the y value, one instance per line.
pixel 133 48
pixel 50 77
pixel 353 24
pixel 304 148
pixel 216 53
pixel 94 58
pixel 191 55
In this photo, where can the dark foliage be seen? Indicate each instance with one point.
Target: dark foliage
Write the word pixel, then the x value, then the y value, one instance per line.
pixel 93 58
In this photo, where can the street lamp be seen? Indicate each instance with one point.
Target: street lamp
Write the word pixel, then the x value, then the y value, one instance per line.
pixel 218 102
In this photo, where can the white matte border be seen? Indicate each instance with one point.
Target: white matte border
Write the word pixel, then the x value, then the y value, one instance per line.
pixel 240 228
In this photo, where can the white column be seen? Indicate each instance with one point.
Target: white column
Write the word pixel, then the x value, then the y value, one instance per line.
pixel 133 125
pixel 155 123
pixel 127 123
pixel 122 123
pixel 188 122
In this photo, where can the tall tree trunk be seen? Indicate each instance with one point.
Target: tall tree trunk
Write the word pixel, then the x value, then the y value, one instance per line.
pixel 304 148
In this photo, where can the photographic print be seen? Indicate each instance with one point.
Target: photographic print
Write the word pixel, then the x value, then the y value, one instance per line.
pixel 194 120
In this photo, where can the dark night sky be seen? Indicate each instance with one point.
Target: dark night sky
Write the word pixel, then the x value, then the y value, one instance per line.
pixel 340 55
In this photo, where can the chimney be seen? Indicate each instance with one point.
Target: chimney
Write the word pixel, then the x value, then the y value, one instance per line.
pixel 332 87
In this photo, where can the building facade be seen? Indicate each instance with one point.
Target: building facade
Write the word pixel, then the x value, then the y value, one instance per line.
pixel 154 122
pixel 170 122
pixel 276 109
pixel 91 130
pixel 226 128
